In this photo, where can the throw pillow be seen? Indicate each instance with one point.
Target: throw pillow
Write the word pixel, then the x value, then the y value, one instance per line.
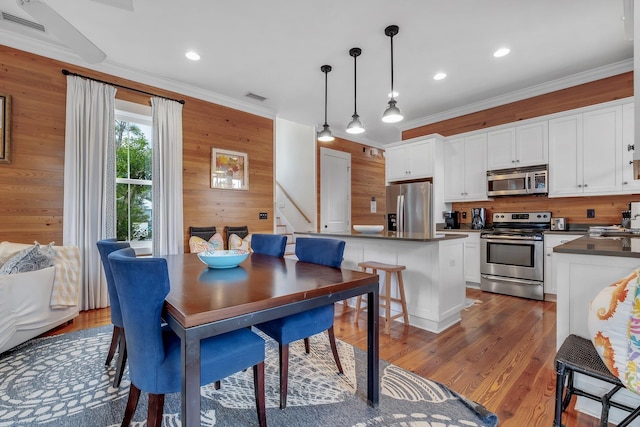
pixel 32 258
pixel 198 244
pixel 237 242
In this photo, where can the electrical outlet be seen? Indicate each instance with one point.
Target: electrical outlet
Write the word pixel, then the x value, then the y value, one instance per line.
pixel 464 215
pixel 591 213
pixel 263 215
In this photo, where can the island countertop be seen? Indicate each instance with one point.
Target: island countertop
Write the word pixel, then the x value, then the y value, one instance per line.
pixel 605 246
pixel 390 235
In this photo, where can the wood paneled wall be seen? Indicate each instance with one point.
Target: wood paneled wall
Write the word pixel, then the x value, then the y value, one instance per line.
pixel 31 187
pixel 367 181
pixel 607 208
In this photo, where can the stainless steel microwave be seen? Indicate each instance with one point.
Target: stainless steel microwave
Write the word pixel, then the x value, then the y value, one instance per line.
pixel 519 181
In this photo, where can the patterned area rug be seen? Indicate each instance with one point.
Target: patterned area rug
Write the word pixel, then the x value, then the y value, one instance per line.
pixel 62 381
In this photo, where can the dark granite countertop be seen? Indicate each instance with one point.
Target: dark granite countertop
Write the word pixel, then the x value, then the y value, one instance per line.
pixel 606 246
pixel 391 235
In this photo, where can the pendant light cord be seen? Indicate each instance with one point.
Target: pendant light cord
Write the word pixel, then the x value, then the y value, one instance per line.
pixel 392 95
pixel 326 74
pixel 355 84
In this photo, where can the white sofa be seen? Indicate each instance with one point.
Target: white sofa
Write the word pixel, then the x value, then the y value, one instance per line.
pixel 34 302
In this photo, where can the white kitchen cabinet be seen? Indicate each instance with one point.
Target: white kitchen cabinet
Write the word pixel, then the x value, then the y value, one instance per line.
pixel 550 242
pixel 518 146
pixel 410 161
pixel 465 168
pixel 471 255
pixel 629 185
pixel 585 153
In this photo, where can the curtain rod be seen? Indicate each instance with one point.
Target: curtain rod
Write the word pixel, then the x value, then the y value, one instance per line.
pixel 69 73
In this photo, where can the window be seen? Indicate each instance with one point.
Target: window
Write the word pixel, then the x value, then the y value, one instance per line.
pixel 134 204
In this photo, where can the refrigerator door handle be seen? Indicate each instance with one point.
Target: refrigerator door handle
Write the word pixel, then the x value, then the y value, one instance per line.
pixel 400 213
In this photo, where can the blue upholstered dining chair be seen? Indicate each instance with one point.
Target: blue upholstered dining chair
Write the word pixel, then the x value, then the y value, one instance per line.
pixel 154 354
pixel 269 244
pixel 105 247
pixel 303 325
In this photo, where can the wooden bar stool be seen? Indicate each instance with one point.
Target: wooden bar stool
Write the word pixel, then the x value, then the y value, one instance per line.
pixel 385 298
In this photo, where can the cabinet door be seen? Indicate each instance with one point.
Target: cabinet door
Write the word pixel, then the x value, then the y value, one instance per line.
pixel 628 183
pixel 421 159
pixel 565 156
pixel 475 167
pixel 454 170
pixel 550 242
pixel 601 154
pixel 532 144
pixel 396 163
pixel 501 149
pixel 472 258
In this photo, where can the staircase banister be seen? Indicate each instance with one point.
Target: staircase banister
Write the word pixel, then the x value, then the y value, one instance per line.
pixel 295 205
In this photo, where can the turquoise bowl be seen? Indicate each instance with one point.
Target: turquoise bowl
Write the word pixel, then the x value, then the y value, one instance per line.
pixel 223 259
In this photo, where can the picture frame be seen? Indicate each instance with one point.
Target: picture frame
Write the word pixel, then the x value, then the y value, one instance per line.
pixel 5 128
pixel 229 169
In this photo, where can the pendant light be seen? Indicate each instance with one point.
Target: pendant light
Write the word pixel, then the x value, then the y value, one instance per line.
pixel 325 134
pixel 392 114
pixel 355 125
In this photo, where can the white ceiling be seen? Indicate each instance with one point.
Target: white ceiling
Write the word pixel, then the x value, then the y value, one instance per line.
pixel 275 49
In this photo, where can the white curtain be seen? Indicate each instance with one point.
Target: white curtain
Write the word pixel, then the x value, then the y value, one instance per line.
pixel 89 180
pixel 168 232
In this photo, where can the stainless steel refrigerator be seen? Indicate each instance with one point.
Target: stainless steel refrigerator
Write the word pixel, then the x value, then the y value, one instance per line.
pixel 409 208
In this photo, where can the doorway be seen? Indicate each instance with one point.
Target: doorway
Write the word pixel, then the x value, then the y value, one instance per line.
pixel 335 191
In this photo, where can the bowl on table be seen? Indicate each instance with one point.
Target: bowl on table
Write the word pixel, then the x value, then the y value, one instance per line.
pixel 223 258
pixel 368 228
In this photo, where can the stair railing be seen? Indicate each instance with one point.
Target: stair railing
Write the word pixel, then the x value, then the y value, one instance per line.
pixel 295 205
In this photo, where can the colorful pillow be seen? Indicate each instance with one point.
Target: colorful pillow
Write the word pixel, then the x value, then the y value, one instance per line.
pixel 237 242
pixel 33 258
pixel 614 328
pixel 198 244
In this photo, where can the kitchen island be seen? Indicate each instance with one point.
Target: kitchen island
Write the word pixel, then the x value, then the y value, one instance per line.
pixel 584 267
pixel 434 280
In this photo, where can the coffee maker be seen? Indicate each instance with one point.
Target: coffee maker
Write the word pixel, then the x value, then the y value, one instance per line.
pixel 478 218
pixel 451 219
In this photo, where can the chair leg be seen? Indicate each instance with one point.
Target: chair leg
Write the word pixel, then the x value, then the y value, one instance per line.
pixel 132 403
pixel 217 385
pixel 122 360
pixel 561 374
pixel 307 346
pixel 284 374
pixel 258 386
pixel 156 409
pixel 403 300
pixel 387 308
pixel 114 344
pixel 334 348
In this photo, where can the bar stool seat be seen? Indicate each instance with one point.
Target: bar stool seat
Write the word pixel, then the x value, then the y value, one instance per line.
pixel 578 354
pixel 386 298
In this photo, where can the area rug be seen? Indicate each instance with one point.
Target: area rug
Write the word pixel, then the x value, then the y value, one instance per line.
pixel 62 381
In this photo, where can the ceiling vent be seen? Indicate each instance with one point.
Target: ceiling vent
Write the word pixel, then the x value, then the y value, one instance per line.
pixel 21 21
pixel 254 96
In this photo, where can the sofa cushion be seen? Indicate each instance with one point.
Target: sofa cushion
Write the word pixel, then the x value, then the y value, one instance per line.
pixel 32 258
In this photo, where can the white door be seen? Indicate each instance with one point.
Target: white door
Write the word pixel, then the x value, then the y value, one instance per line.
pixel 335 191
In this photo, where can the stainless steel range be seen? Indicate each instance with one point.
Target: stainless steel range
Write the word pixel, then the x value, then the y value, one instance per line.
pixel 512 254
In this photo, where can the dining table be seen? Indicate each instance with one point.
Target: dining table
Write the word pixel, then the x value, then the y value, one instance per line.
pixel 204 302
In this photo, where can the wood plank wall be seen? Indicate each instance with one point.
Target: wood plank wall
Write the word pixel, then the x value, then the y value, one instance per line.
pixel 367 180
pixel 607 208
pixel 31 187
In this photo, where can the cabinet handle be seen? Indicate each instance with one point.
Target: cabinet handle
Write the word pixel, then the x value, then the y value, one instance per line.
pixel 631 147
pixel 579 185
pixel 630 162
pixel 625 183
pixel 585 185
pixel 548 254
pixel 513 161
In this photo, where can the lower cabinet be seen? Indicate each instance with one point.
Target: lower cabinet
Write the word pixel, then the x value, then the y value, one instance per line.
pixel 471 255
pixel 550 242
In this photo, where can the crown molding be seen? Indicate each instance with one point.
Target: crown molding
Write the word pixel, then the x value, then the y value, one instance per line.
pixel 541 89
pixel 43 47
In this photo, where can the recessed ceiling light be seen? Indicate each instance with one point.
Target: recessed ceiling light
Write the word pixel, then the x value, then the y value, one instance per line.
pixel 501 52
pixel 192 55
pixel 439 76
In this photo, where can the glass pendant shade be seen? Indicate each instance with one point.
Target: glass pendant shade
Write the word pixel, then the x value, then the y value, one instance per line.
pixel 325 134
pixel 392 114
pixel 355 125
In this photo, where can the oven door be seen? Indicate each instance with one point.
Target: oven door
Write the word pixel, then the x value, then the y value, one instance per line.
pixel 512 257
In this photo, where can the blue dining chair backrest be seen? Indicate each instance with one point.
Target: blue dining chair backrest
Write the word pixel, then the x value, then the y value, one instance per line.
pixel 105 247
pixel 320 250
pixel 269 244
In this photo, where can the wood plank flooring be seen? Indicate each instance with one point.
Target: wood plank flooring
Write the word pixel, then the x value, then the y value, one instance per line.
pixel 500 355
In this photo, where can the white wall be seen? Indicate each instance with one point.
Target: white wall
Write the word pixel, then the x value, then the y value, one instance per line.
pixel 295 170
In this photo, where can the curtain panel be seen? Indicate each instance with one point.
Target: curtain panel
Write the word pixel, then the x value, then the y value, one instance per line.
pixel 168 229
pixel 89 180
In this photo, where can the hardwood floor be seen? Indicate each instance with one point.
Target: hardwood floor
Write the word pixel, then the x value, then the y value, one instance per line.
pixel 500 355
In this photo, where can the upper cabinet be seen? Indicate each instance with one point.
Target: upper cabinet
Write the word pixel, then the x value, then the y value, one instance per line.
pixel 629 185
pixel 518 146
pixel 412 160
pixel 465 168
pixel 585 153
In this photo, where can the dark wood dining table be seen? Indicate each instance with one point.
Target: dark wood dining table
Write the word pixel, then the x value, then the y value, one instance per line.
pixel 205 302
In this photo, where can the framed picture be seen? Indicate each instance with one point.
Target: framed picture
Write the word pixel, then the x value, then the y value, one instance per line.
pixel 229 169
pixel 5 128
